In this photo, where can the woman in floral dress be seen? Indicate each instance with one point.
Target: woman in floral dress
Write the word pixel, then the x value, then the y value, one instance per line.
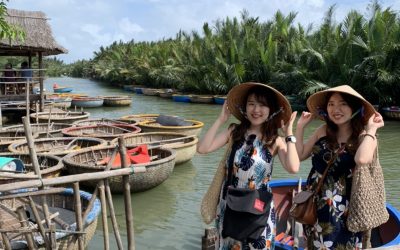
pixel 262 110
pixel 348 135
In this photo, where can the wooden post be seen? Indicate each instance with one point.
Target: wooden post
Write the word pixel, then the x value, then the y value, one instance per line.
pixel 1 117
pixel 40 57
pixel 78 214
pixel 24 223
pixel 36 112
pixel 27 98
pixel 112 215
pixel 127 196
pixel 104 215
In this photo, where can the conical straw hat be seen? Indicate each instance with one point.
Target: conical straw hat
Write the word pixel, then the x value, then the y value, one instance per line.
pixel 318 100
pixel 238 94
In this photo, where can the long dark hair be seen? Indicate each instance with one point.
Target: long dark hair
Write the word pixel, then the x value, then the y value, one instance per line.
pixel 270 128
pixel 356 123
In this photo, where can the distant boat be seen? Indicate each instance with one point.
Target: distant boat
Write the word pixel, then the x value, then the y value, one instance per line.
pixel 219 99
pixel 114 101
pixel 87 102
pixel 61 89
pixel 392 112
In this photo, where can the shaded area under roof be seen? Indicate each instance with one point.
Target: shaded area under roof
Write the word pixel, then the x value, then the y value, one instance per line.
pixel 39 37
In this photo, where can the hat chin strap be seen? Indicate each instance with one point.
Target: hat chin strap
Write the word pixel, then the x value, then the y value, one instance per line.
pixel 274 114
pixel 360 110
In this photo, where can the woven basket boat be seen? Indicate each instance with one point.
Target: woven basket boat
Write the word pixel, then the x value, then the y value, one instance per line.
pixel 60 117
pixel 153 126
pixel 150 91
pixel 87 102
pixel 61 203
pixel 7 141
pixel 117 101
pixel 139 118
pixel 392 112
pixel 202 99
pixel 104 131
pixel 50 166
pixel 54 130
pixel 57 146
pixel 185 146
pixel 166 94
pixel 157 171
pixel 93 122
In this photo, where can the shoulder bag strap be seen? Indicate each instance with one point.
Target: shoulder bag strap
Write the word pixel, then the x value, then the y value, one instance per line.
pixel 320 182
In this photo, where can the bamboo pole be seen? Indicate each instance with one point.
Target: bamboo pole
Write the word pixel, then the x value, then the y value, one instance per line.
pixel 24 223
pixel 127 195
pixel 31 146
pixel 40 225
pixel 33 193
pixel 78 214
pixel 1 117
pixel 48 121
pixel 36 113
pixel 27 98
pixel 5 240
pixel 71 178
pixel 52 233
pixel 104 214
pixel 112 215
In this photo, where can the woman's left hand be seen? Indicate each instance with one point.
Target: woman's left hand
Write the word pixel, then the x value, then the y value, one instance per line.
pixel 375 122
pixel 288 128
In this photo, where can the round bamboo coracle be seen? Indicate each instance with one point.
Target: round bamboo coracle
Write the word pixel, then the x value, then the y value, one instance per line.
pixel 185 146
pixel 92 160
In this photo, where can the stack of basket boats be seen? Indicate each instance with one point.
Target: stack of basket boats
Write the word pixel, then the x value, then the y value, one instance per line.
pixel 84 143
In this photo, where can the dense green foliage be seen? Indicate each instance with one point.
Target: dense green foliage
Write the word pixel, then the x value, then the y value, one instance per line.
pixel 362 51
pixel 8 31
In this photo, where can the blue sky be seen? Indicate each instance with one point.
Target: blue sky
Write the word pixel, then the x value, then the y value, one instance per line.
pixel 82 26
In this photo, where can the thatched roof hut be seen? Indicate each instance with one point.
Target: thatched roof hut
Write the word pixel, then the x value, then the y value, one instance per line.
pixel 39 38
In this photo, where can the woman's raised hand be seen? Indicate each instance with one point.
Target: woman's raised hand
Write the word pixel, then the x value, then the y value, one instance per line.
pixel 375 122
pixel 225 113
pixel 288 127
pixel 305 119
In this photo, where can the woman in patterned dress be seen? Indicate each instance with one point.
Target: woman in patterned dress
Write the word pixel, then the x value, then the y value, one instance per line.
pixel 262 110
pixel 349 130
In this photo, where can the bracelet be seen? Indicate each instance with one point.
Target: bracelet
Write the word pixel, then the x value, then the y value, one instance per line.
pixel 373 137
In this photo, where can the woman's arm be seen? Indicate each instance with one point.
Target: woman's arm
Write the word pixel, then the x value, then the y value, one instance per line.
pixel 211 141
pixel 366 149
pixel 304 149
pixel 287 150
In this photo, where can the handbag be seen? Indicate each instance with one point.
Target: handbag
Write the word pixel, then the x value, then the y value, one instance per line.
pixel 304 204
pixel 367 208
pixel 208 208
pixel 246 213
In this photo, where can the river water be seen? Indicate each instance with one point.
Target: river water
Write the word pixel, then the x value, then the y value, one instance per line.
pixel 168 216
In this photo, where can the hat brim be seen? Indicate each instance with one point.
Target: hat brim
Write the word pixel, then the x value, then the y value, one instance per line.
pixel 318 101
pixel 238 94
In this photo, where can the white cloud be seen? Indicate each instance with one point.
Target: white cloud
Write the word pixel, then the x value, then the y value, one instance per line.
pixel 97 37
pixel 128 27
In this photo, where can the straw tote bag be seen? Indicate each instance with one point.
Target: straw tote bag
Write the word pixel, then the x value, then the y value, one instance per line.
pixel 367 208
pixel 210 200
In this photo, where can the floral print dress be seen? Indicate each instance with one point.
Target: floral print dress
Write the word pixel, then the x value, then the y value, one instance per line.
pixel 330 231
pixel 252 168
